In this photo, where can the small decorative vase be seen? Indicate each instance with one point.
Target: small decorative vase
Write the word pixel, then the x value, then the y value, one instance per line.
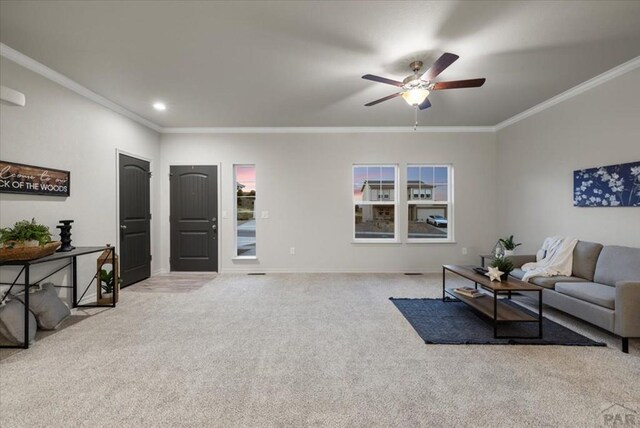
pixel 504 276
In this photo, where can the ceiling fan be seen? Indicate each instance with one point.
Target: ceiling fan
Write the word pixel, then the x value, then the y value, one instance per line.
pixel 416 87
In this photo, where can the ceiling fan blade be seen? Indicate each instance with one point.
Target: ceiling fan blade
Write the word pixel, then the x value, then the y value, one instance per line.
pixel 388 97
pixel 382 80
pixel 439 66
pixel 425 104
pixel 456 84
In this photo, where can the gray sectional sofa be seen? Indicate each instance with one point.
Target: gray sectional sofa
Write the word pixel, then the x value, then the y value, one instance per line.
pixel 603 289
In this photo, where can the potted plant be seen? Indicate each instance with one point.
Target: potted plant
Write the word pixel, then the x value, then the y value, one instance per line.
pixel 504 265
pixel 107 286
pixel 25 234
pixel 509 245
pixel 106 283
pixel 26 240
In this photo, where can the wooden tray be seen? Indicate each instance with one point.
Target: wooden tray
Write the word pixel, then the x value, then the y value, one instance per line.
pixel 28 253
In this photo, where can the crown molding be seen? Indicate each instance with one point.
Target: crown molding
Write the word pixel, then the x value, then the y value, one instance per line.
pixel 43 70
pixel 576 90
pixel 328 130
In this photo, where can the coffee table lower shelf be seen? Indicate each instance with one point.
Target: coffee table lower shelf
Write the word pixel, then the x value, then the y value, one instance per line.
pixel 497 311
pixel 484 304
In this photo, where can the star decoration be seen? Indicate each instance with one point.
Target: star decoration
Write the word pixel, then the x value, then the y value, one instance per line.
pixel 494 274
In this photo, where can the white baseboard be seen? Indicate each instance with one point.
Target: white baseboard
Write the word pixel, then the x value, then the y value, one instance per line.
pixel 317 270
pixel 249 269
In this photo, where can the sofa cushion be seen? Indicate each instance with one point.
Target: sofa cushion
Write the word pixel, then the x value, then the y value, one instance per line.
pixel 617 264
pixel 551 281
pixel 592 292
pixel 517 273
pixel 585 257
pixel 546 281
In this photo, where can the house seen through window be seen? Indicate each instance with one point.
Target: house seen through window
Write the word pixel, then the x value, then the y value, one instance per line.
pixel 375 195
pixel 429 202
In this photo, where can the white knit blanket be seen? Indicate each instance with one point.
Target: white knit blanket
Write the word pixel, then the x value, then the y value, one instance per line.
pixel 557 261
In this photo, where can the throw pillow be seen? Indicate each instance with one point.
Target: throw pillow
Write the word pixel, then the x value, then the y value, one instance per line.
pixel 12 322
pixel 48 308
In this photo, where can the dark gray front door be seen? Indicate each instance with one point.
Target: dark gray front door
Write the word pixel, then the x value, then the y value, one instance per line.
pixel 135 220
pixel 194 223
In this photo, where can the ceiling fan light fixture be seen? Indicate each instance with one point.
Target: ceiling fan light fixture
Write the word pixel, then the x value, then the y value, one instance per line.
pixel 415 96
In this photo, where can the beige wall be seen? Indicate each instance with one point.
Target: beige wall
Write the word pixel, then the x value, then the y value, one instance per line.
pixel 304 181
pixel 516 181
pixel 63 130
pixel 537 157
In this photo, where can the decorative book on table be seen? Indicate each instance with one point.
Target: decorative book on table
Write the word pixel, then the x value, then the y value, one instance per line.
pixel 469 292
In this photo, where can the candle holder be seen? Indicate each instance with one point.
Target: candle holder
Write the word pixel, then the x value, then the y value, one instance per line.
pixel 65 236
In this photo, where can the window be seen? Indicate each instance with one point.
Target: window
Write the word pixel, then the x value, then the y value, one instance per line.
pixel 374 195
pixel 429 190
pixel 245 227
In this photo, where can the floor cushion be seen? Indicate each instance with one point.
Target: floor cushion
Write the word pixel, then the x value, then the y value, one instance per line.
pixel 12 322
pixel 47 307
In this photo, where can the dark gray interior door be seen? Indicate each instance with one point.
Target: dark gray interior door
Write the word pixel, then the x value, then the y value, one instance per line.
pixel 194 223
pixel 135 220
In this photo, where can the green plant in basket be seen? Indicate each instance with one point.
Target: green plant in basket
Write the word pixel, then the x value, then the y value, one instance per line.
pixel 106 281
pixel 24 231
pixel 503 264
pixel 509 244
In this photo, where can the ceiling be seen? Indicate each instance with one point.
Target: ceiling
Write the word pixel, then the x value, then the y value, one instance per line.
pixel 299 64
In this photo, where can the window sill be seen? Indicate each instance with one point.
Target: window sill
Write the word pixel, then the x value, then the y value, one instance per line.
pixel 376 241
pixel 431 241
pixel 245 258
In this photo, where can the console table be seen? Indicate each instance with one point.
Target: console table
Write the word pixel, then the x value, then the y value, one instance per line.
pixel 72 261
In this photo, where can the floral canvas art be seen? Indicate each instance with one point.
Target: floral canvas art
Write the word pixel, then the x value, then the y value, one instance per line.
pixel 607 186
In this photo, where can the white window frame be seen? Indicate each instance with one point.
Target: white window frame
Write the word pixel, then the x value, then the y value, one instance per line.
pixel 430 202
pixel 235 211
pixel 395 203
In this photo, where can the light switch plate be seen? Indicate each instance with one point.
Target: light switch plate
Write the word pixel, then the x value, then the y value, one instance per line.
pixel 265 214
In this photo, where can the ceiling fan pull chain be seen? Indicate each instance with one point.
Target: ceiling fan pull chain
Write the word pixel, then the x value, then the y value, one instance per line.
pixel 415 126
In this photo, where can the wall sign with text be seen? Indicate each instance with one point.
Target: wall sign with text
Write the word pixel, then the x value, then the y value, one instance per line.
pixel 35 180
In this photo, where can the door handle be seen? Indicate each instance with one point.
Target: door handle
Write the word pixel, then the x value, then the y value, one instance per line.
pixel 214 227
pixel 123 227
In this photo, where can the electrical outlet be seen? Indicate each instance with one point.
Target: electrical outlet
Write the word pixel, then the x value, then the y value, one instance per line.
pixel 265 214
pixel 464 251
pixel 292 251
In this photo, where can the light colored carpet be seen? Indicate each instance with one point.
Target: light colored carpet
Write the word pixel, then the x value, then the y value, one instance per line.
pixel 173 283
pixel 75 318
pixel 300 350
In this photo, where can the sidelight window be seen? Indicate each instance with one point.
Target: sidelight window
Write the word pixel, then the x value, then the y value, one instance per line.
pixel 245 215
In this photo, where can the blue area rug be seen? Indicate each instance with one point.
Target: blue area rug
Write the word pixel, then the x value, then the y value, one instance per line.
pixel 454 323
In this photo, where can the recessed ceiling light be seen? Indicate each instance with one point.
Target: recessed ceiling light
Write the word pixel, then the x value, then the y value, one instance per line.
pixel 160 106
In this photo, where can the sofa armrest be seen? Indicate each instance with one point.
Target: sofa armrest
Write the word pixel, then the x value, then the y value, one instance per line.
pixel 627 304
pixel 518 261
